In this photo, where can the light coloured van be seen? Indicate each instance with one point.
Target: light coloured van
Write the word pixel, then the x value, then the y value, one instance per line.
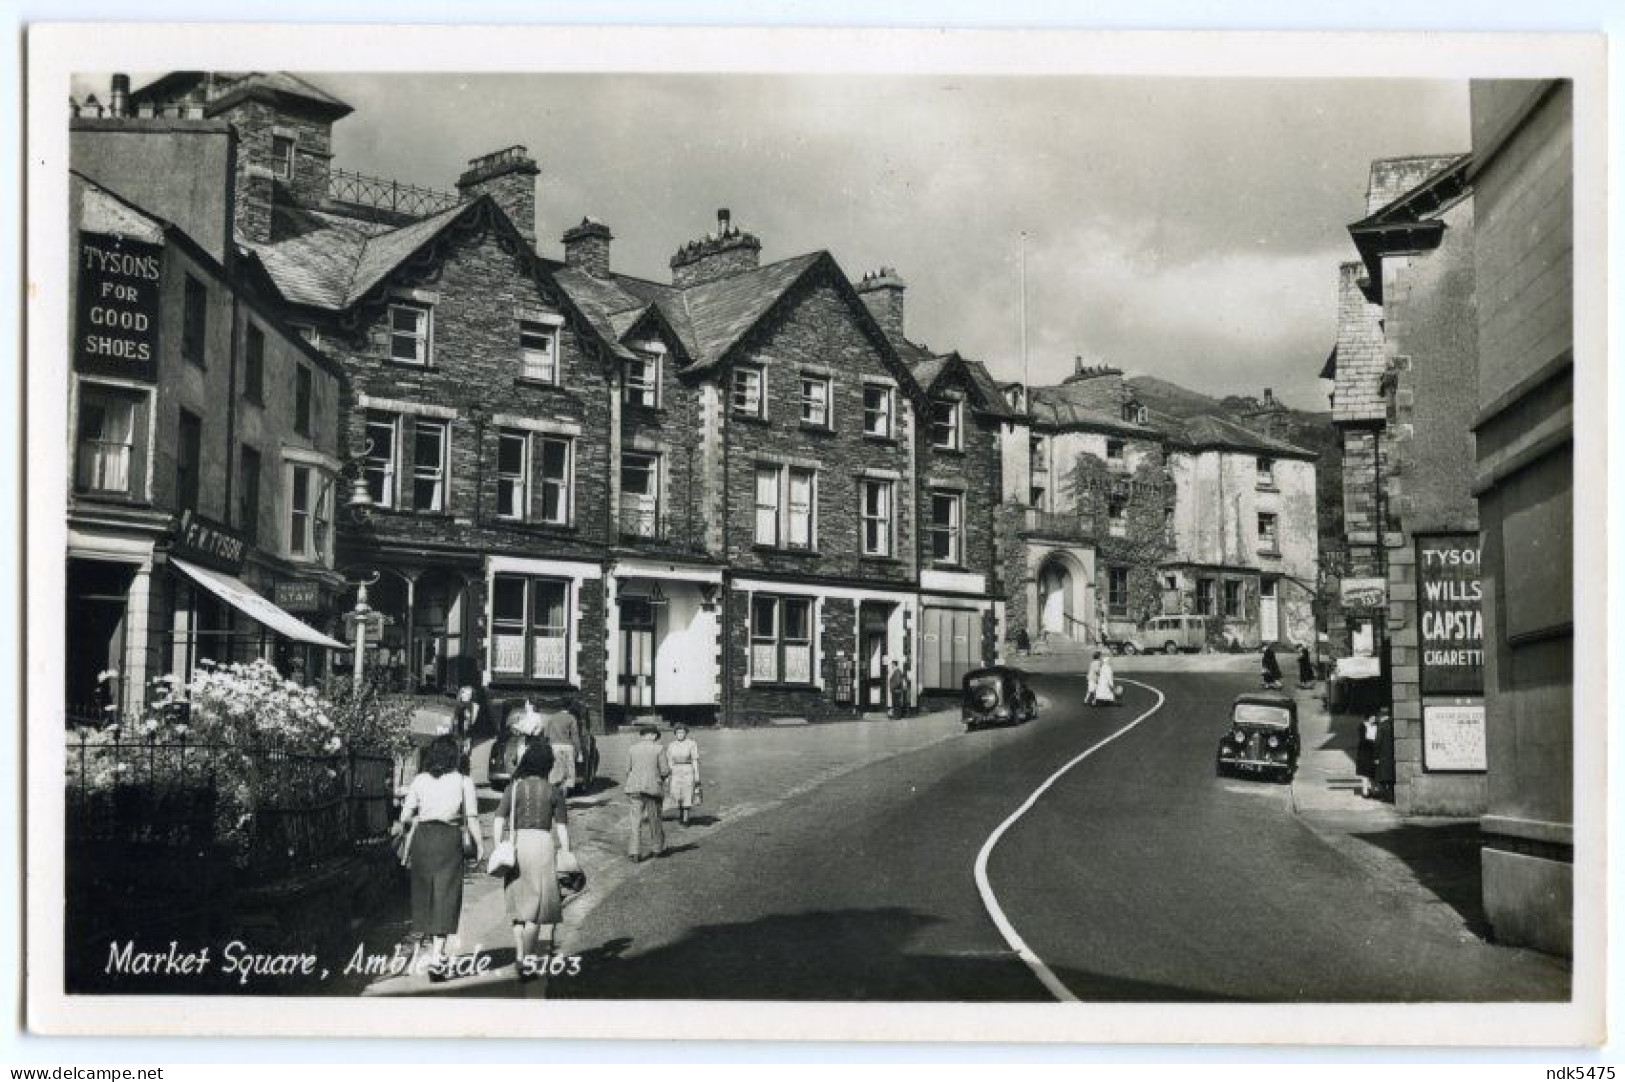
pixel 1170 635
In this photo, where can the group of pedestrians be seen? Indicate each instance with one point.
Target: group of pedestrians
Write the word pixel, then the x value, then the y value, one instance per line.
pixel 653 769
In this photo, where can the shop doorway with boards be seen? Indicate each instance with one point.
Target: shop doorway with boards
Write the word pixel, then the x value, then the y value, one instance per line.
pixel 873 620
pixel 637 675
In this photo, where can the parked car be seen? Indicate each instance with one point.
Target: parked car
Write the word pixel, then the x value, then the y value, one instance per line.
pixel 998 695
pixel 1263 737
pixel 1169 635
pixel 509 746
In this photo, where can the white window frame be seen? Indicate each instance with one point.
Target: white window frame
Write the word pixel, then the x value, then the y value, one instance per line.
pixel 885 412
pixel 770 654
pixel 809 513
pixel 954 529
pixel 437 474
pixel 644 391
pixel 769 481
pixel 1112 608
pixel 514 484
pixel 539 352
pixel 528 629
pixel 383 465
pixel 1264 469
pixel 310 532
pixel 817 408
pixel 885 516
pixel 422 335
pixel 956 426
pixel 91 467
pixel 565 484
pixel 735 389
pixel 282 164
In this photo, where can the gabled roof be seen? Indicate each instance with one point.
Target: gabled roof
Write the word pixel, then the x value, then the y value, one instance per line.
pixel 721 311
pixel 1205 432
pixel 931 369
pixel 1058 407
pixel 235 86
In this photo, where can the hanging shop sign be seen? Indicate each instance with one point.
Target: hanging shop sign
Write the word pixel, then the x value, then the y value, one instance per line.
pixel 1364 594
pixel 299 596
pixel 1453 737
pixel 208 543
pixel 117 329
pixel 1450 612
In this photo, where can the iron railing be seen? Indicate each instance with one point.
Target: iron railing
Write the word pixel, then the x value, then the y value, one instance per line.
pixel 382 193
pixel 644 526
pixel 1060 525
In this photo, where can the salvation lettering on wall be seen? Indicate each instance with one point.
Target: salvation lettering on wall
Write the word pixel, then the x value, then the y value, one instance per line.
pixel 117 330
pixel 1450 610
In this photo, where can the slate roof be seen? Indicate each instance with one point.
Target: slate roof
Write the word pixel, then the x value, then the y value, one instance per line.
pixel 1060 407
pixel 233 86
pixel 1393 177
pixel 721 311
pixel 100 211
pixel 1206 431
pixel 930 367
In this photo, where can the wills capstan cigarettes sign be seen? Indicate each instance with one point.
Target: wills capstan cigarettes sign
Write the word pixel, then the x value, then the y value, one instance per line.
pixel 1450 610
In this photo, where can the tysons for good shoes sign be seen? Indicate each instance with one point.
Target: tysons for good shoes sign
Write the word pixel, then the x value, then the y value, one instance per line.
pixel 1450 607
pixel 117 330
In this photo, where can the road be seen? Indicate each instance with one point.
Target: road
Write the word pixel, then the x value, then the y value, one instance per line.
pixel 1138 876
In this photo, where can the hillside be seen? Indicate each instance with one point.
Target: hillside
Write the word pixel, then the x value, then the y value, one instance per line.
pixel 1311 431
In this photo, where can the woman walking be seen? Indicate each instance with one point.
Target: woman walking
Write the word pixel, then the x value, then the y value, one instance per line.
pixel 1105 686
pixel 684 756
pixel 1094 678
pixel 1306 667
pixel 440 810
pixel 646 772
pixel 532 811
pixel 1271 668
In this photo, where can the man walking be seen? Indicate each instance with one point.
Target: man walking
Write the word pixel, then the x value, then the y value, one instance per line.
pixel 897 686
pixel 562 731
pixel 646 774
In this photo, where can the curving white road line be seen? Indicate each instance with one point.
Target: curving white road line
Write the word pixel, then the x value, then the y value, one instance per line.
pixel 994 910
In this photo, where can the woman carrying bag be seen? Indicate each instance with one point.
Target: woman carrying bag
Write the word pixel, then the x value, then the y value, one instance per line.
pixel 442 810
pixel 532 811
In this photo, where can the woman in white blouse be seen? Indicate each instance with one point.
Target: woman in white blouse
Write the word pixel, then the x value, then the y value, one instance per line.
pixel 440 808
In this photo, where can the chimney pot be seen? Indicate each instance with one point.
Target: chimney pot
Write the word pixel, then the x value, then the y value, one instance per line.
pixel 724 220
pixel 119 99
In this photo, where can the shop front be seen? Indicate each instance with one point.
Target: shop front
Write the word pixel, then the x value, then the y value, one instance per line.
pixel 664 642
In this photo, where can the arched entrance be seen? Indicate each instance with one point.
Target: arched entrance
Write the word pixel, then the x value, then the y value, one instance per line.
pixel 1054 598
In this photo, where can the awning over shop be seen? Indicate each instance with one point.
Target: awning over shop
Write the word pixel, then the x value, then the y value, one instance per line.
pixel 236 593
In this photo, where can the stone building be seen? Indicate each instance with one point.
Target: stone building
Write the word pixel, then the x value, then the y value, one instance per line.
pixel 1121 514
pixel 1417 273
pixel 1523 259
pixel 202 450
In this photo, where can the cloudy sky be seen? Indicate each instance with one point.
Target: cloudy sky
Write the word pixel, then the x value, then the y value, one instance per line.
pixel 1188 229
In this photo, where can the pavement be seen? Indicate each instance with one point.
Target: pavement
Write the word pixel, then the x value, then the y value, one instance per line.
pixel 746 771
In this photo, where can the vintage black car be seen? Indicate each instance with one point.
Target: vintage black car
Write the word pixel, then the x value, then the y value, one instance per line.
pixel 1263 737
pixel 998 695
pixel 509 746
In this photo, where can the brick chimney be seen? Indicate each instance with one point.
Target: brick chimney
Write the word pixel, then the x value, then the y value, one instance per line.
pixel 722 254
pixel 586 247
pixel 255 202
pixel 118 103
pixel 882 293
pixel 509 177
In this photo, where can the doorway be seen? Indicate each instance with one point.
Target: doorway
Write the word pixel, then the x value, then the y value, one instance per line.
pixel 637 675
pixel 872 619
pixel 1269 610
pixel 1055 597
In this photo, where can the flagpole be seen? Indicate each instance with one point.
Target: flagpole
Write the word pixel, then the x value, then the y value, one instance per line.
pixel 1026 376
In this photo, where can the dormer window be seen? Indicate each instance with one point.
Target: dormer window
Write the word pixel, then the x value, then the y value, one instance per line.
pixel 1134 413
pixel 945 425
pixel 642 386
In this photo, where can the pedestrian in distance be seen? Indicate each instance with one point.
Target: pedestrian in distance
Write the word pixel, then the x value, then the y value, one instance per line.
pixel 563 733
pixel 1024 642
pixel 1094 678
pixel 1271 668
pixel 1306 667
pixel 647 769
pixel 470 721
pixel 897 686
pixel 1365 755
pixel 683 753
pixel 440 810
pixel 536 820
pixel 1105 683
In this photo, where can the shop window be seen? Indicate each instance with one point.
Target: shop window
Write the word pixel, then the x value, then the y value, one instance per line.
pixel 529 627
pixel 878 410
pixel 781 639
pixel 947 512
